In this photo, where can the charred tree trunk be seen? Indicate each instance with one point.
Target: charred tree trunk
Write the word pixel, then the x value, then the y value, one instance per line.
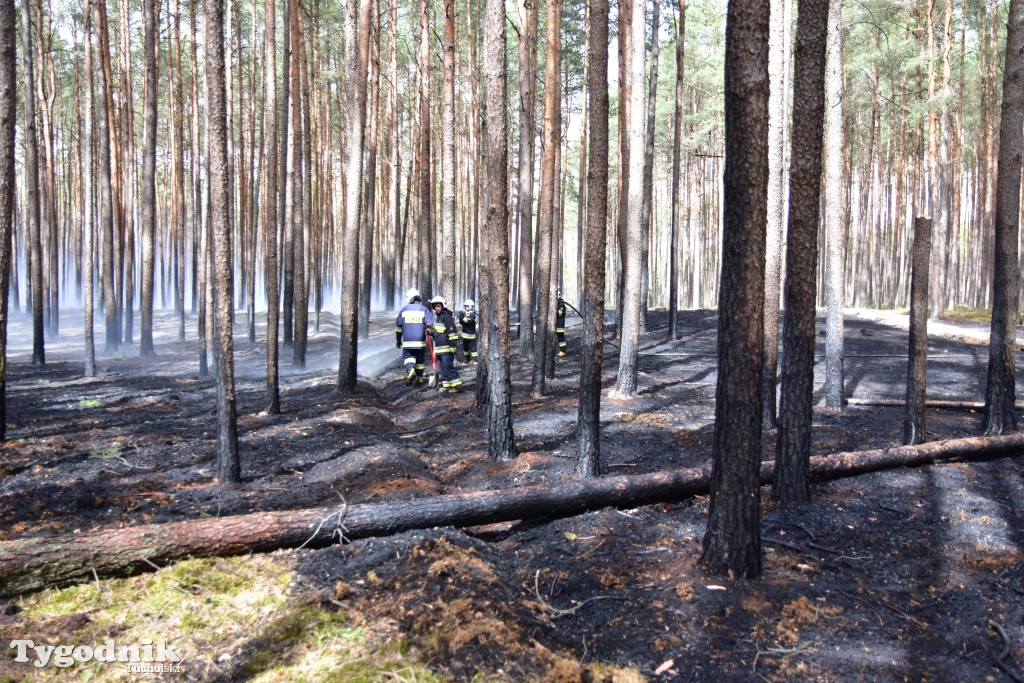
pixel 447 266
pixel 8 114
pixel 791 484
pixel 1000 391
pixel 228 469
pixel 732 543
pixel 148 209
pixel 588 430
pixel 358 34
pixel 917 365
pixel 524 213
pixel 546 217
pixel 270 138
pixel 501 445
pixel 32 226
pixel 677 141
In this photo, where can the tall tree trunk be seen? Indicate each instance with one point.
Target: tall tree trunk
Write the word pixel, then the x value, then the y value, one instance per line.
pixel 394 192
pixel 1000 390
pixel 177 116
pixel 32 227
pixel 88 218
pixel 8 115
pixel 581 193
pixel 500 440
pixel 197 179
pixel 47 173
pixel 283 215
pixel 128 136
pixel 917 362
pixel 677 140
pixel 791 482
pixel 630 305
pixel 228 469
pixel 732 543
pixel 648 182
pixel 251 180
pixel 588 430
pixel 835 209
pixel 113 321
pixel 778 63
pixel 150 45
pixel 105 213
pixel 425 230
pixel 447 269
pixel 546 209
pixel 294 190
pixel 271 267
pixel 357 34
pixel 524 201
pixel 625 35
pixel 368 217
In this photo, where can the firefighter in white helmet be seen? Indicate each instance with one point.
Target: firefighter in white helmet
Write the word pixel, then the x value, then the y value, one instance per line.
pixel 446 336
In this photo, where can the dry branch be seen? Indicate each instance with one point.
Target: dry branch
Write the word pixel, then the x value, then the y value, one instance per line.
pixel 32 564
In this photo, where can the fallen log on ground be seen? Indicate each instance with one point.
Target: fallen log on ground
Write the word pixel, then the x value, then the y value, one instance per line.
pixel 32 564
pixel 930 403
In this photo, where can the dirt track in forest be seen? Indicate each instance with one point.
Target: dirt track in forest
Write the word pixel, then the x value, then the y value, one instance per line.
pixel 885 576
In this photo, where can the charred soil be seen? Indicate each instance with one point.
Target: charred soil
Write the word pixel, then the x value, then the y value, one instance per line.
pixel 907 574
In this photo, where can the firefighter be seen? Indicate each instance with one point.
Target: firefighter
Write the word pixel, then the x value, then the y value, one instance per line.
pixel 445 336
pixel 560 323
pixel 468 318
pixel 411 336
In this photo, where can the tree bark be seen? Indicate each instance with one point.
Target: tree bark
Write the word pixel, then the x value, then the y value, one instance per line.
pixel 778 64
pixel 732 543
pixel 32 225
pixel 8 116
pixel 632 260
pixel 791 483
pixel 270 138
pixel 917 363
pixel 150 39
pixel 677 141
pixel 1000 390
pixel 228 469
pixel 32 564
pixel 588 429
pixel 446 271
pixel 88 218
pixel 357 36
pixel 524 200
pixel 835 242
pixel 648 184
pixel 296 181
pixel 546 216
pixel 501 445
pixel 105 211
pixel 425 231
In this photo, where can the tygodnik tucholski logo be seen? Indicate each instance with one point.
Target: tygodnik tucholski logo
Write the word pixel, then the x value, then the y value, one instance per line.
pixel 148 657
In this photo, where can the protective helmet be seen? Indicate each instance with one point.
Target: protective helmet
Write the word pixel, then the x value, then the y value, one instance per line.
pixel 437 300
pixel 413 294
pixel 469 303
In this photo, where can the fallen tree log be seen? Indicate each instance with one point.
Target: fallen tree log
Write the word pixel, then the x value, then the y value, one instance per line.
pixel 32 564
pixel 930 403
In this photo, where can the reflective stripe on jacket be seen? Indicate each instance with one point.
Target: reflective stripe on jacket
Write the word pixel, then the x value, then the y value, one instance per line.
pixel 411 325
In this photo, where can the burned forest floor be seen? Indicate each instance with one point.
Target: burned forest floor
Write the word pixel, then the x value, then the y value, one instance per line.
pixel 911 574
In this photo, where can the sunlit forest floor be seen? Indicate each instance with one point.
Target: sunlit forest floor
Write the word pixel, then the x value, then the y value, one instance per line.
pixel 906 574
